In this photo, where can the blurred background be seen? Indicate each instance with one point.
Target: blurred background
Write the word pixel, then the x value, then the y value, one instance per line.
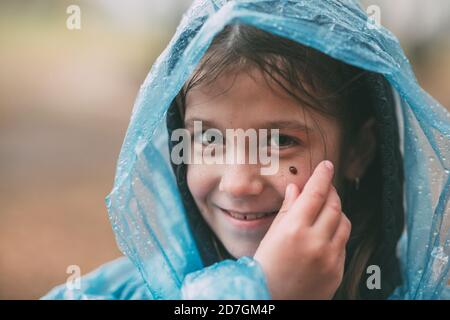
pixel 65 101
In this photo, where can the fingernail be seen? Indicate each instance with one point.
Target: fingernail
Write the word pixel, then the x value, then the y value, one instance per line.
pixel 329 165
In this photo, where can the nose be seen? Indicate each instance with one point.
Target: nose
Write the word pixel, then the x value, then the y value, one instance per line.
pixel 240 180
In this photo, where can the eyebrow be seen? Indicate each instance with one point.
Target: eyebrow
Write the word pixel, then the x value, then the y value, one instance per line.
pixel 294 125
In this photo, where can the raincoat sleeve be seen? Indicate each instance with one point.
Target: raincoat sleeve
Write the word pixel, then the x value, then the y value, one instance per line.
pixel 120 280
pixel 238 280
pixel 116 280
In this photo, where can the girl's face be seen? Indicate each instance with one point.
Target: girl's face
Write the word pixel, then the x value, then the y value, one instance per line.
pixel 233 197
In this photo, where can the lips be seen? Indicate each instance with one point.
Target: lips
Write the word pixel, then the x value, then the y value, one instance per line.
pixel 248 216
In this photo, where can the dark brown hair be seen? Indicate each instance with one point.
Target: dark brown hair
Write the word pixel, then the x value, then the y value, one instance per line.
pixel 325 85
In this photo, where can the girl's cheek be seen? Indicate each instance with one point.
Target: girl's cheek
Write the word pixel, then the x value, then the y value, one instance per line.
pixel 298 170
pixel 194 182
pixel 200 181
pixel 295 172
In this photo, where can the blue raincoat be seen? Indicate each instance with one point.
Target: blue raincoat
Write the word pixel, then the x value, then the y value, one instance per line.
pixel 162 260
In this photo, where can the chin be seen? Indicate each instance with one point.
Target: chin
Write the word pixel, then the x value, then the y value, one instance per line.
pixel 238 250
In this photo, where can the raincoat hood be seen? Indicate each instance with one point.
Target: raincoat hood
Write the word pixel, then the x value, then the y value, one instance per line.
pixel 148 213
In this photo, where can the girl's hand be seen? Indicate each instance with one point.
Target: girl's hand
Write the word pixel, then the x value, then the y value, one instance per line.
pixel 303 252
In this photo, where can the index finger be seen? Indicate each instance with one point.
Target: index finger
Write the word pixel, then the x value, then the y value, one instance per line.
pixel 314 195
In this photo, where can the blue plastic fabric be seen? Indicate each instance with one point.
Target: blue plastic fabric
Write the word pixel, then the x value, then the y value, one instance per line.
pixel 118 279
pixel 145 208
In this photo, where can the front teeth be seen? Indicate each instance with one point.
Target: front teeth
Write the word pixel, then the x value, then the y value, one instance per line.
pixel 252 216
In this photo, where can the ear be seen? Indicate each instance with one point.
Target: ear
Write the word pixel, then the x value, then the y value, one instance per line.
pixel 362 152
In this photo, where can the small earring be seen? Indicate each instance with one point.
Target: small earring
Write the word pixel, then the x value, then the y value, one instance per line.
pixel 357 183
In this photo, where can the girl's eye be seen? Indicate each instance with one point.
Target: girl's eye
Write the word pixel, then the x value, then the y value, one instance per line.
pixel 211 136
pixel 282 142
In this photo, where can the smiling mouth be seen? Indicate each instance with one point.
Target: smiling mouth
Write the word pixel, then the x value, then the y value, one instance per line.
pixel 249 216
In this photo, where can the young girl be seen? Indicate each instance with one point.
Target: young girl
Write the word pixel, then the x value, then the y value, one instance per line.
pixel 350 121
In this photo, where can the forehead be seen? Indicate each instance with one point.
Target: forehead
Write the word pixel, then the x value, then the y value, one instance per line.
pixel 238 91
pixel 247 99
